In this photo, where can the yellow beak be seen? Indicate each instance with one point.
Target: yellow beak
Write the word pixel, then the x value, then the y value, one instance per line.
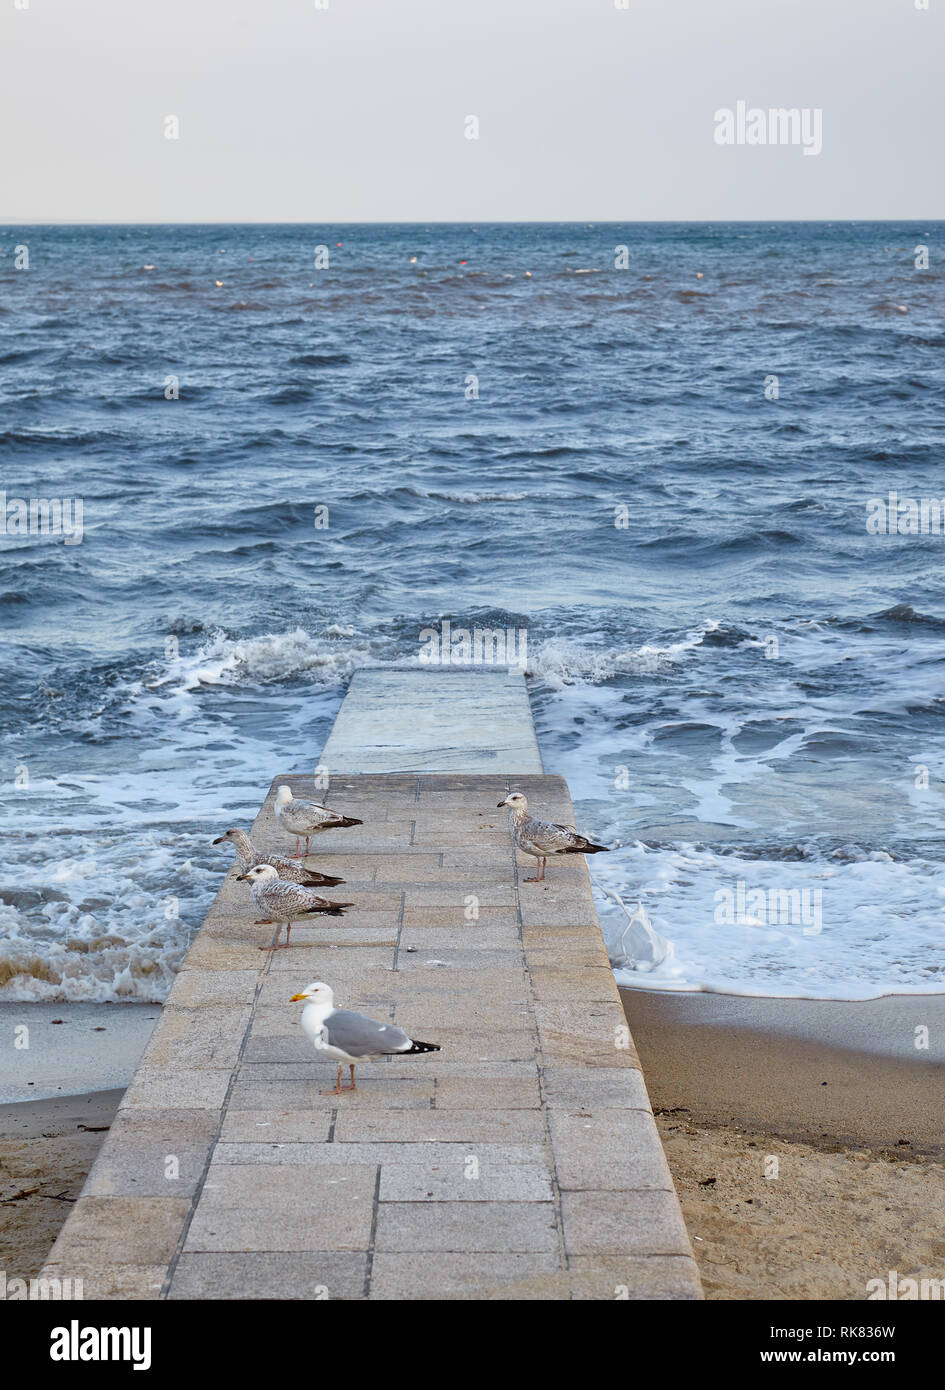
pixel 297 996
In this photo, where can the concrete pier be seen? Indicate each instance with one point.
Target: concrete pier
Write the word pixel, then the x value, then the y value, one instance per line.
pixel 522 1161
pixel 434 719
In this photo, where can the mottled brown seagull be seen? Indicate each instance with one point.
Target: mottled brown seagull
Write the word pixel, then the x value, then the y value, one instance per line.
pixel 543 838
pixel 299 817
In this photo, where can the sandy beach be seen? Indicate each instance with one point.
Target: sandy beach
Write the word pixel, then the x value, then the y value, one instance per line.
pixel 834 1099
pixel 46 1150
pixel 57 1098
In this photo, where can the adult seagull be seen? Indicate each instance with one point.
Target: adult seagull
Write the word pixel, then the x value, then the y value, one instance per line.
pixel 349 1037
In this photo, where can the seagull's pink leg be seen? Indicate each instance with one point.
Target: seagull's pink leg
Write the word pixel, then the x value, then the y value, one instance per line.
pixel 338 1087
pixel 298 841
pixel 352 1086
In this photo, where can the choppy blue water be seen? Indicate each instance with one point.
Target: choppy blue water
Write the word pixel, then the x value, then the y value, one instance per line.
pixel 199 638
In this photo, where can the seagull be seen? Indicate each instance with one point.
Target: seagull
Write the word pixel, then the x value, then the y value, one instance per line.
pixel 306 818
pixel 349 1037
pixel 541 838
pixel 285 902
pixel 248 856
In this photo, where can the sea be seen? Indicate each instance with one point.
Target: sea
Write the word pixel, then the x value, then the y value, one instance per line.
pixel 662 454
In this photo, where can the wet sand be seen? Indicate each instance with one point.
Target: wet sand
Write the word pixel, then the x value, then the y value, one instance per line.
pixel 806 1137
pixel 46 1150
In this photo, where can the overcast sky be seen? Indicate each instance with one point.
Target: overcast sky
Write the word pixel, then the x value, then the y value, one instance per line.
pixel 357 112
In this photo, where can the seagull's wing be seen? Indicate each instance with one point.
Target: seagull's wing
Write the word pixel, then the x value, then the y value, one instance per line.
pixel 551 838
pixel 290 899
pixel 360 1036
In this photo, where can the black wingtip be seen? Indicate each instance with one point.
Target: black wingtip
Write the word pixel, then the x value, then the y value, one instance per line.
pixel 322 881
pixel 417 1046
pixel 350 820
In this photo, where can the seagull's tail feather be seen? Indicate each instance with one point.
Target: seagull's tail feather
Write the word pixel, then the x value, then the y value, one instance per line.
pixel 417 1046
pixel 586 847
pixel 331 910
pixel 315 880
pixel 345 820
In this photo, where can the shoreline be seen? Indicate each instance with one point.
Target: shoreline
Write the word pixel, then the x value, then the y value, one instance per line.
pixel 762 1063
pixel 71 1049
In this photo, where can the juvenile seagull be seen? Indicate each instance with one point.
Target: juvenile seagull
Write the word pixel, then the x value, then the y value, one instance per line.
pixel 349 1037
pixel 286 902
pixel 248 856
pixel 541 838
pixel 306 818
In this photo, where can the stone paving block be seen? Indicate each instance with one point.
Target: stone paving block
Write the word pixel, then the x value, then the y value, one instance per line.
pixel 209 1036
pixel 461 1181
pixel 447 1155
pixel 438 966
pixel 555 938
pixel 109 1282
pixel 104 1231
pixel 653 1277
pixel 272 1095
pixel 565 911
pixel 148 1165
pixel 210 952
pixel 384 1088
pixel 453 918
pixel 623 1223
pixel 273 1127
pixel 489 895
pixel 585 1088
pixel 551 983
pixel 460 1227
pixel 309 1276
pixel 200 1089
pixel 460 1047
pixel 194 989
pixel 568 957
pixel 476 1093
pixel 479 984
pixel 610 1150
pixel 433 1276
pixel 586 1034
pixel 465 1126
pixel 283 1207
pixel 188 1128
pixel 283 1049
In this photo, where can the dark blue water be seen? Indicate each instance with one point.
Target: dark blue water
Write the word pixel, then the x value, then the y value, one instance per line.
pixel 768 673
